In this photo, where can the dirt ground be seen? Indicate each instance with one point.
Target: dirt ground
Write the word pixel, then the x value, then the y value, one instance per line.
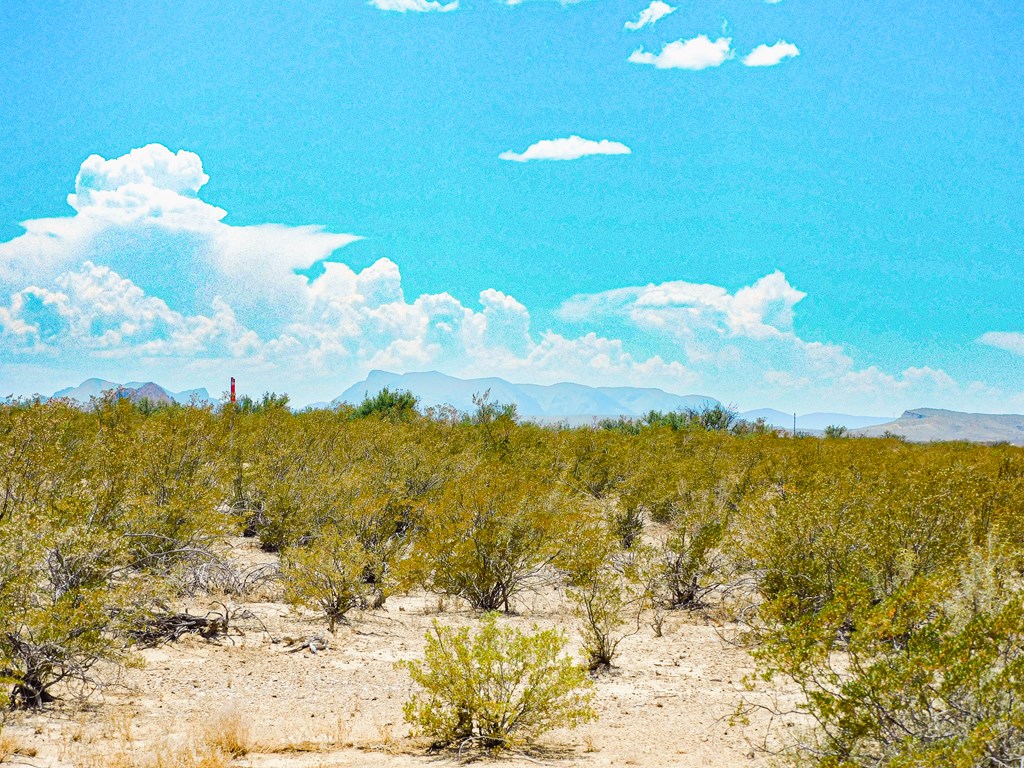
pixel 667 704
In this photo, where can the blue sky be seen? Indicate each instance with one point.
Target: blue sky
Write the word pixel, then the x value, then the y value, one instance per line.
pixel 841 230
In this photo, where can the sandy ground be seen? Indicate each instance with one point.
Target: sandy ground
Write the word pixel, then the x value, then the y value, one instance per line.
pixel 667 704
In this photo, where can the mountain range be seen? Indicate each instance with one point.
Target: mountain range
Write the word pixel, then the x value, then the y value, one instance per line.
pixel 578 404
pixel 134 390
pixel 813 422
pixel 575 403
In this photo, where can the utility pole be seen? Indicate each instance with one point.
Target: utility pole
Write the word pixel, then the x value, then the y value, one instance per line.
pixel 794 422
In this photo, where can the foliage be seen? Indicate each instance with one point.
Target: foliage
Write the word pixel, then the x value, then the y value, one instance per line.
pixel 924 683
pixel 498 689
pixel 270 401
pixel 327 574
pixel 65 600
pixel 692 563
pixel 707 417
pixel 885 576
pixel 608 601
pixel 398 405
pixel 491 534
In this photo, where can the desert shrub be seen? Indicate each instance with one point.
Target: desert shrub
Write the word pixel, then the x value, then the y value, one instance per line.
pixel 295 478
pixel 492 533
pixel 397 405
pixel 608 600
pixel 182 480
pixel 41 453
pixel 692 562
pixel 66 603
pixel 593 463
pixel 327 575
pixel 880 518
pixel 499 689
pixel 925 681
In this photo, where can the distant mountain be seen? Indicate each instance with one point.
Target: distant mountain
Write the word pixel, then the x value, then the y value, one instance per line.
pixel 822 420
pixel 87 389
pixel 576 402
pixel 923 425
pixel 812 422
pixel 134 390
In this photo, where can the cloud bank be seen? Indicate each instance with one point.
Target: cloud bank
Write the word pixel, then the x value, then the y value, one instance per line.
pixel 695 54
pixel 146 281
pixel 572 148
pixel 650 15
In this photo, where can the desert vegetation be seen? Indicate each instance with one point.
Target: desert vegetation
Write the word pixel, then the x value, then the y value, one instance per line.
pixel 875 584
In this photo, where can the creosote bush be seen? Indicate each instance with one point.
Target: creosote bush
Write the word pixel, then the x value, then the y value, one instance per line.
pixel 497 689
pixel 883 578
pixel 327 575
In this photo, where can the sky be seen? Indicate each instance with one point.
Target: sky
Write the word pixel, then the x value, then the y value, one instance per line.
pixel 803 205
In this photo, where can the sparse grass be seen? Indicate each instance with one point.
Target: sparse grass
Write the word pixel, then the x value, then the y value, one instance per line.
pixel 10 747
pixel 185 756
pixel 165 754
pixel 228 731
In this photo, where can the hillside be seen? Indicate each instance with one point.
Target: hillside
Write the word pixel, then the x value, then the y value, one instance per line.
pixel 922 425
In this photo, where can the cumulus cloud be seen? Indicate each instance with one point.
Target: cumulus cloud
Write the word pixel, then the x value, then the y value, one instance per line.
pixel 744 342
pixel 758 311
pixel 1005 340
pixel 571 148
pixel 141 216
pixel 696 53
pixel 650 15
pixel 770 55
pixel 419 6
pixel 147 274
pixel 146 281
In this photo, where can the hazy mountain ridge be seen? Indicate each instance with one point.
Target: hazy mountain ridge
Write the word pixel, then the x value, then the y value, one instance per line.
pixel 813 422
pixel 542 401
pixel 579 404
pixel 133 390
pixel 925 425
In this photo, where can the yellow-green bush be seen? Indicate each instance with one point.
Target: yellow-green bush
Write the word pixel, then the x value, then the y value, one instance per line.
pixel 497 689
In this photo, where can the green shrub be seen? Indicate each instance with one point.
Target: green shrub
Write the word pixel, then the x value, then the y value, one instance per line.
pixel 496 690
pixel 926 680
pixel 397 405
pixel 327 575
pixel 607 602
pixel 492 534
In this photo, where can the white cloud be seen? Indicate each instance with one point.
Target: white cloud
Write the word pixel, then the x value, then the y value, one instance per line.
pixel 651 14
pixel 770 55
pixel 141 216
pixel 146 281
pixel 1008 341
pixel 571 148
pixel 419 6
pixel 697 53
pixel 762 310
pixel 147 274
pixel 743 344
